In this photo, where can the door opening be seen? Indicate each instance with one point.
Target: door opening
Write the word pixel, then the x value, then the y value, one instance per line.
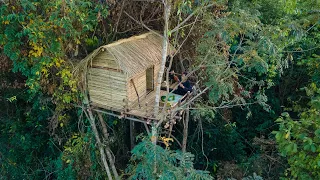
pixel 150 79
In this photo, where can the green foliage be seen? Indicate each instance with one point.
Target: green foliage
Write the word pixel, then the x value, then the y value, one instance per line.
pixel 221 141
pixel 299 139
pixel 39 36
pixel 259 46
pixel 246 47
pixel 64 171
pixel 298 129
pixel 240 56
pixel 26 151
pixel 79 159
pixel 151 161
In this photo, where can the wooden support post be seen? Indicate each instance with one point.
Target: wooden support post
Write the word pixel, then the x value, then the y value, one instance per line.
pixel 185 130
pixel 106 146
pixel 90 116
pixel 132 137
pixel 146 108
pixel 189 94
pixel 126 105
pixel 147 129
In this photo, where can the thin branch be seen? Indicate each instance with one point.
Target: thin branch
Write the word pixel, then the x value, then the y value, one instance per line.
pixel 228 106
pixel 193 23
pixel 201 128
pixel 312 27
pixel 190 16
pixel 302 50
pixel 141 23
pixel 118 20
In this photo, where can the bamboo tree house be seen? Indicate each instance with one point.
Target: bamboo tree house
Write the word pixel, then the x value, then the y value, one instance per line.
pixel 122 76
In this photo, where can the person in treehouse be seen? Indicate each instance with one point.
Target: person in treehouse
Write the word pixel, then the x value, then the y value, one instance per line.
pixel 184 83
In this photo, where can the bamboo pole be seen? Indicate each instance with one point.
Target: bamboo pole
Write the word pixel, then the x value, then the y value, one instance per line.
pixel 107 148
pixel 90 116
pixel 185 130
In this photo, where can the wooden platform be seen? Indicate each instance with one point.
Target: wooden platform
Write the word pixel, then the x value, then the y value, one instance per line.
pixel 145 110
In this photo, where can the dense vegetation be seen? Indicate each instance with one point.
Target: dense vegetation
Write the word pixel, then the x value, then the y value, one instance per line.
pixel 255 65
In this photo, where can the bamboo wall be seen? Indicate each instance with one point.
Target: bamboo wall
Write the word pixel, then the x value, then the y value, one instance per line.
pixel 105 59
pixel 140 83
pixel 141 86
pixel 107 88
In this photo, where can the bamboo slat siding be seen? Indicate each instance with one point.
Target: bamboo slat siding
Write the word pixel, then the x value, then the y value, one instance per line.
pixel 107 88
pixel 105 59
pixel 140 83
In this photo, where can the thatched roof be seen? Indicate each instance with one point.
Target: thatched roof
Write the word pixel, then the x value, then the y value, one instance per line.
pixel 134 54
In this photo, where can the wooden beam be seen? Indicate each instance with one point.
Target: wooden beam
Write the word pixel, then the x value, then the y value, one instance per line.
pixel 119 116
pixel 134 86
pixel 107 68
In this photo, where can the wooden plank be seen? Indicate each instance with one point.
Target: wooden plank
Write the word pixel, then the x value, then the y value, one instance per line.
pixel 105 73
pixel 106 68
pixel 108 85
pixel 143 112
pixel 107 102
pixel 105 63
pixel 107 94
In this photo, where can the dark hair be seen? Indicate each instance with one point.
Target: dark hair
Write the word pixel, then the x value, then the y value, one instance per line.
pixel 185 73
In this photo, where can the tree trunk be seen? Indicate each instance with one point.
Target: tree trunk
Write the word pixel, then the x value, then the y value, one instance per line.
pixel 154 133
pixel 107 148
pixel 96 134
pixel 167 8
pixel 185 130
pixel 154 130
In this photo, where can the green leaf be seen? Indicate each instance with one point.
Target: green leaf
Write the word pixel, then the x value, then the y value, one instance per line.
pixel 285 114
pixel 313 148
pixel 279 136
pixel 295 148
pixel 307 147
pixel 317 132
pixel 289 148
